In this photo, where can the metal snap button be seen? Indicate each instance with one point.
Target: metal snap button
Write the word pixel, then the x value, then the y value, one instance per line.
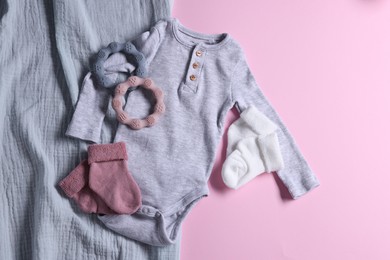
pixel 198 53
pixel 195 65
pixel 192 77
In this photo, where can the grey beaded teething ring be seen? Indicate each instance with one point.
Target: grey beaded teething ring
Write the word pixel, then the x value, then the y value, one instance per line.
pixel 135 123
pixel 128 48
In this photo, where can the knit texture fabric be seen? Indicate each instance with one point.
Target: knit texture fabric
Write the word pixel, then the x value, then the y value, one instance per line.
pixel 93 98
pixel 110 178
pixel 253 148
pixel 102 184
pixel 172 161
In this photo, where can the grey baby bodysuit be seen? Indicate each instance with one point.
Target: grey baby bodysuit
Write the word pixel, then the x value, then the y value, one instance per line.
pixel 202 77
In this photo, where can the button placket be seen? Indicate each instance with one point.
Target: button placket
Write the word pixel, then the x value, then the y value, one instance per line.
pixel 195 67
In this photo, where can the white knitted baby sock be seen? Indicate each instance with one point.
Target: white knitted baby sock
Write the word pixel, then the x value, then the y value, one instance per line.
pixel 253 148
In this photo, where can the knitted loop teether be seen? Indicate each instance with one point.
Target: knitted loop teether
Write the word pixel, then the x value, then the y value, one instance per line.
pixel 128 48
pixel 136 123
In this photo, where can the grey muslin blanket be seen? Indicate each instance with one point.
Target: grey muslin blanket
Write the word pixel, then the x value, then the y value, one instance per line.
pixel 45 51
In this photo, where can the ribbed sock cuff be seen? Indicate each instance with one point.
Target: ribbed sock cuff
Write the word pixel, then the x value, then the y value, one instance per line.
pixel 76 179
pixel 258 122
pixel 270 151
pixel 107 152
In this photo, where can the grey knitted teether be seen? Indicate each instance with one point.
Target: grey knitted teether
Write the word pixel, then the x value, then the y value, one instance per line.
pixel 128 48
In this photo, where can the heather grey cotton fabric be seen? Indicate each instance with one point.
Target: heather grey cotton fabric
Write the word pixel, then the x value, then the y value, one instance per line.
pixel 45 47
pixel 172 161
pixel 95 101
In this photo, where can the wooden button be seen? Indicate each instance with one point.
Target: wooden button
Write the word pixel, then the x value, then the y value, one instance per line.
pixel 195 65
pixel 198 53
pixel 192 77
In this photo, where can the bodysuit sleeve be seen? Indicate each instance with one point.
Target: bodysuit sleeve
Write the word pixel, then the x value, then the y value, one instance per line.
pixel 296 174
pixel 91 107
pixel 93 102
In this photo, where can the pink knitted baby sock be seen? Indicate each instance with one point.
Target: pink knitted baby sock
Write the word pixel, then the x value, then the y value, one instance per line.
pixel 110 178
pixel 75 186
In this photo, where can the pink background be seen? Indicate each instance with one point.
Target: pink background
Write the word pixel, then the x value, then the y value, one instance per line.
pixel 325 67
